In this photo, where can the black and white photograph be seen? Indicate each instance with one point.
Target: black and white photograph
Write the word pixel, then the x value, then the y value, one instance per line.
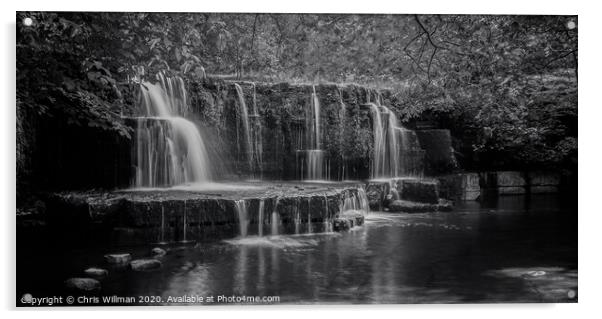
pixel 282 158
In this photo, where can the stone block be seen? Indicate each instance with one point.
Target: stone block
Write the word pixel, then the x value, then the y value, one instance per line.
pixel 543 189
pixel 512 190
pixel 510 178
pixel 415 190
pixel 544 178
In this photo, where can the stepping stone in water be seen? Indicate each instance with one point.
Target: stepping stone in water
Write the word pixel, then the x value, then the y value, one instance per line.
pixel 118 258
pixel 96 272
pixel 158 252
pixel 82 284
pixel 145 264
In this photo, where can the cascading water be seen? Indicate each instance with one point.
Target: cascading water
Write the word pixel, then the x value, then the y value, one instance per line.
pixel 169 148
pixel 243 217
pixel 275 220
pixel 386 143
pixel 260 217
pixel 257 136
pixel 244 115
pixel 394 145
pixel 343 173
pixel 314 155
pixel 355 202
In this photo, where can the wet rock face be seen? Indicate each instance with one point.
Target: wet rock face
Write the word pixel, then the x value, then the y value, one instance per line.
pixel 171 216
pixel 158 252
pixel 422 191
pixel 461 186
pixel 118 259
pixel 404 206
pixel 439 155
pixel 348 220
pixel 83 284
pixel 376 193
pixel 145 264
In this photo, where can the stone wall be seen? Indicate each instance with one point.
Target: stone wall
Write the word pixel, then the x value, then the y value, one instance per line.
pixel 471 186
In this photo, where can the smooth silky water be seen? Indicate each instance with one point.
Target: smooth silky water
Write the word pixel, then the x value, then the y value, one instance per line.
pixel 516 249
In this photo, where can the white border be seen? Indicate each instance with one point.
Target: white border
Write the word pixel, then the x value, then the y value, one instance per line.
pixel 590 220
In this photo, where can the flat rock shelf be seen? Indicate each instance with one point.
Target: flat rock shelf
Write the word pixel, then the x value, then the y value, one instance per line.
pixel 217 211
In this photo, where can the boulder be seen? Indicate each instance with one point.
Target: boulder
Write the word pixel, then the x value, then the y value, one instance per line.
pixel 158 252
pixel 416 190
pixel 145 264
pixel 118 259
pixel 82 284
pixel 347 220
pixel 96 272
pixel 376 192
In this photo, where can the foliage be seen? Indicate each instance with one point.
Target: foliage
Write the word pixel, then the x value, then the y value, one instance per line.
pixel 510 79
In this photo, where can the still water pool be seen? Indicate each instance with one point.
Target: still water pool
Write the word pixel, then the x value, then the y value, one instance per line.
pixel 514 249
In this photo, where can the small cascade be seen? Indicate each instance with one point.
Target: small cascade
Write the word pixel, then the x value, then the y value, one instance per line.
pixel 328 227
pixel 244 116
pixel 311 160
pixel 170 150
pixel 309 227
pixel 343 173
pixel 313 122
pixel 162 238
pixel 315 162
pixel 396 149
pixel 355 202
pixel 260 217
pixel 297 218
pixel 275 220
pixel 257 136
pixel 243 217
pixel 184 224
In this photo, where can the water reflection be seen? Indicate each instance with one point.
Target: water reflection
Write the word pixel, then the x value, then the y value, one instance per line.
pixel 516 252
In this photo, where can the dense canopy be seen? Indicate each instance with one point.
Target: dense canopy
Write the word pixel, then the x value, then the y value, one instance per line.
pixel 507 84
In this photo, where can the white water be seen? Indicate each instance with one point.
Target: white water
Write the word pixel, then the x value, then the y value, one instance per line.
pixel 312 165
pixel 243 217
pixel 355 202
pixel 169 148
pixel 275 220
pixel 244 114
pixel 260 218
pixel 394 146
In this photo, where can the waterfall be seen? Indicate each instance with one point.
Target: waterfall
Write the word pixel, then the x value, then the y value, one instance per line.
pixel 184 224
pixel 327 220
pixel 260 218
pixel 275 221
pixel 355 202
pixel 313 156
pixel 244 114
pixel 395 147
pixel 342 117
pixel 315 162
pixel 257 136
pixel 387 146
pixel 170 150
pixel 309 228
pixel 297 218
pixel 162 240
pixel 243 217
